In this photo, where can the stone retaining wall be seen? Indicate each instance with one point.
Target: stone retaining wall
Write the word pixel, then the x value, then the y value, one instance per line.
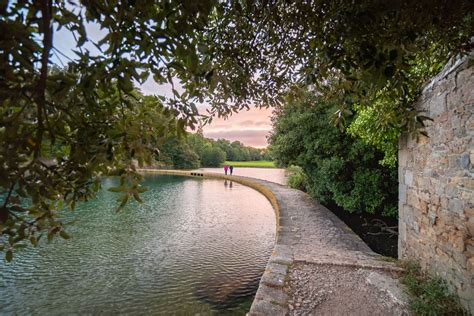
pixel 307 234
pixel 436 184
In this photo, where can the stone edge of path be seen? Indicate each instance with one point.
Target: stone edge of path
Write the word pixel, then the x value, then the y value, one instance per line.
pixel 271 299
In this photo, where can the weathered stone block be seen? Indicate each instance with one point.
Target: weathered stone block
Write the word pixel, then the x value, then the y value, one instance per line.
pixel 465 161
pixel 470 264
pixel 277 267
pixel 457 242
pixel 437 105
pixel 273 279
pixel 432 219
pixel 469 212
pixel 412 199
pixel 402 193
pixel 403 158
pixel 470 226
pixel 452 189
pixel 456 206
pixel 408 178
pixel 465 82
pixel 261 308
pixel 271 294
pixel 466 195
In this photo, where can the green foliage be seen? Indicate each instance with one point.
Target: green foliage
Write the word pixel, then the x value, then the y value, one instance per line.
pixel 233 151
pixel 212 156
pixel 338 167
pixel 40 180
pixel 369 126
pixel 61 130
pixel 429 295
pixel 381 122
pixel 177 153
pixel 296 178
pixel 236 151
pixel 370 58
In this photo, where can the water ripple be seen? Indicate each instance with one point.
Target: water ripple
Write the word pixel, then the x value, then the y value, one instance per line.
pixel 194 246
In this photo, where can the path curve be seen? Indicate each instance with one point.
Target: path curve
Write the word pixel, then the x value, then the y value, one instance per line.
pixel 309 236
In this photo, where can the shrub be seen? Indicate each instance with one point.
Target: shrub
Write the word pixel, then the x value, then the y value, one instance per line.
pixel 296 178
pixel 429 295
pixel 337 167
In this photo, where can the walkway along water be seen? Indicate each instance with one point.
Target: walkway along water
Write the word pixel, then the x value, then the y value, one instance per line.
pixel 318 265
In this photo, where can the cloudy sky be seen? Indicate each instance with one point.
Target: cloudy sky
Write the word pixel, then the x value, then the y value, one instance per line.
pixel 250 127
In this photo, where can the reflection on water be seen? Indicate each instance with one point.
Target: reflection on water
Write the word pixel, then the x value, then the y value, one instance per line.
pixel 270 174
pixel 194 246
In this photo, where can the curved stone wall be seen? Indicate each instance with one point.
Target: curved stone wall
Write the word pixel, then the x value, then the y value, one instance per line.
pixel 307 233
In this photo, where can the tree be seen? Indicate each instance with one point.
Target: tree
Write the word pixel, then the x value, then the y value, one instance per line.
pixel 212 156
pixel 255 154
pixel 197 142
pixel 368 57
pixel 177 153
pixel 338 167
pixel 266 154
pixel 90 108
pixel 230 54
pixel 225 146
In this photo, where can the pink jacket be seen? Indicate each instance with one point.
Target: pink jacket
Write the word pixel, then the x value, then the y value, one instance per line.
pixel 226 167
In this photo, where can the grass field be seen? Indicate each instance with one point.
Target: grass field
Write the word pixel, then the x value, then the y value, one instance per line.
pixel 253 164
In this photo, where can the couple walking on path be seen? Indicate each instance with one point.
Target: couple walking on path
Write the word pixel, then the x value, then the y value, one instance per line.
pixel 228 168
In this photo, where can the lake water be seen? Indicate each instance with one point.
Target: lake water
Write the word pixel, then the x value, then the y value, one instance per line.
pixel 193 246
pixel 270 174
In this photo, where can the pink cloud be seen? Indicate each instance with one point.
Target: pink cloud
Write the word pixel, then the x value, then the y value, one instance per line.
pixel 254 138
pixel 250 127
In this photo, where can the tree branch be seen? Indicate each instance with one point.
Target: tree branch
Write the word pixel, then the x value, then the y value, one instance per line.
pixel 8 195
pixel 46 12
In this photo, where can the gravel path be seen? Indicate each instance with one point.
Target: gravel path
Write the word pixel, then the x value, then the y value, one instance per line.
pixel 321 267
pixel 338 290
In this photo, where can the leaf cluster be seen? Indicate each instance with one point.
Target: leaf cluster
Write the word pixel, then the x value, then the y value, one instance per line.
pixel 62 129
pixel 334 166
pixel 82 141
pixel 369 58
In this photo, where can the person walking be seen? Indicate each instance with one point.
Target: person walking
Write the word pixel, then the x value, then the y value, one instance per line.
pixel 231 169
pixel 226 167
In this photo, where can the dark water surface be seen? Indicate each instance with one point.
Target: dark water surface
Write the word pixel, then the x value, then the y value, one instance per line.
pixel 194 246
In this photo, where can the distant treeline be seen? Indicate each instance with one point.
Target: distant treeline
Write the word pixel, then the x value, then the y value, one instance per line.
pixel 194 151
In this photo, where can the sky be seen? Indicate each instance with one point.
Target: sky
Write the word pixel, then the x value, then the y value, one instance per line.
pixel 251 127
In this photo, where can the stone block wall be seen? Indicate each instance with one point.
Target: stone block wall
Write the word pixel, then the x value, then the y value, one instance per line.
pixel 436 183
